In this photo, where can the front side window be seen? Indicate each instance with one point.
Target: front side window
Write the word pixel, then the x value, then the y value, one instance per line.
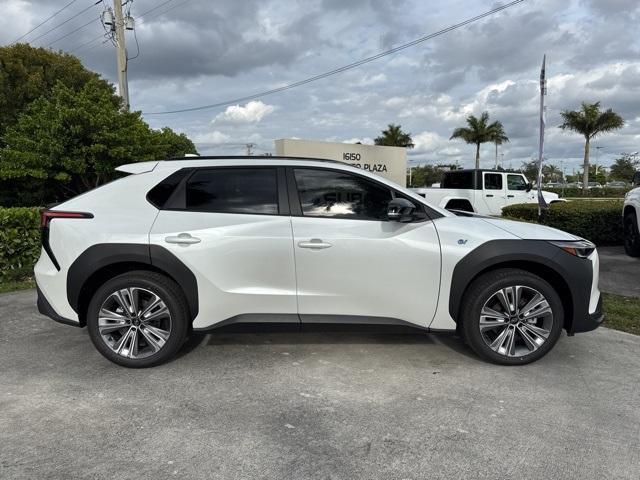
pixel 233 190
pixel 493 181
pixel 516 182
pixel 327 193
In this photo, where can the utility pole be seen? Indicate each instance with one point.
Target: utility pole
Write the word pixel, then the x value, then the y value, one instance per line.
pixel 123 86
pixel 249 147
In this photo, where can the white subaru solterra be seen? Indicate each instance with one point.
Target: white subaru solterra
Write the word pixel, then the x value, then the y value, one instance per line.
pixel 193 244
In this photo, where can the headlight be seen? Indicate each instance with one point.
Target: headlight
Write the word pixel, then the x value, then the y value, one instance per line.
pixel 579 248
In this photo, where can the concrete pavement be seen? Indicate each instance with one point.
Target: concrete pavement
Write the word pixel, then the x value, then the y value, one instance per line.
pixel 286 405
pixel 619 273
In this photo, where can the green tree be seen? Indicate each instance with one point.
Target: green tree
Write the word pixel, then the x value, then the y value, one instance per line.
pixel 393 136
pixel 28 73
pixel 551 173
pixel 590 122
pixel 530 170
pixel 479 131
pixel 426 175
pixel 624 168
pixel 73 140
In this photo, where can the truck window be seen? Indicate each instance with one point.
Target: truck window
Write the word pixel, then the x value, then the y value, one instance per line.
pixel 493 181
pixel 516 182
pixel 457 180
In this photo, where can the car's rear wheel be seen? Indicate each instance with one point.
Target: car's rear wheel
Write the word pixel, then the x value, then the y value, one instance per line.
pixel 511 317
pixel 631 235
pixel 138 319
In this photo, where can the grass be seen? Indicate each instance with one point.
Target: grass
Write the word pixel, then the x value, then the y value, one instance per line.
pixel 12 285
pixel 622 313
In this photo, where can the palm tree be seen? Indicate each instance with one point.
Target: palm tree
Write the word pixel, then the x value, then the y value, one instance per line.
pixel 480 131
pixel 499 137
pixel 590 121
pixel 393 136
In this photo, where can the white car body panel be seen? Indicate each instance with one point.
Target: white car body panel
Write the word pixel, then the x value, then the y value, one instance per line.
pixel 243 263
pixel 367 268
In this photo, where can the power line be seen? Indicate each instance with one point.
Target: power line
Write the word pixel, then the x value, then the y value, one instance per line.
pixel 66 21
pixel 73 31
pixel 45 21
pixel 95 39
pixel 345 67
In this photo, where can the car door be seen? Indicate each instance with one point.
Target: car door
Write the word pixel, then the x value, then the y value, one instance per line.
pixel 231 227
pixel 353 265
pixel 493 192
pixel 517 189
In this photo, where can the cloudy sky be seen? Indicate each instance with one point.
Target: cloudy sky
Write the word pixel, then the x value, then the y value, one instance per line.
pixel 196 52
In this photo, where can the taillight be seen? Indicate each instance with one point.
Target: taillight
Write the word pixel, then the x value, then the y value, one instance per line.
pixel 47 215
pixel 45 219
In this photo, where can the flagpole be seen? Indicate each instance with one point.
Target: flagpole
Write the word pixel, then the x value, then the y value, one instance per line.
pixel 543 91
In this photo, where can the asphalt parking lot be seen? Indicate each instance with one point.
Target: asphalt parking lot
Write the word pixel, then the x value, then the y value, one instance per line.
pixel 287 405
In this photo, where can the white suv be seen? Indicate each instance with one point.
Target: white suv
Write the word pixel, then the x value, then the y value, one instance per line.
pixel 193 244
pixel 630 215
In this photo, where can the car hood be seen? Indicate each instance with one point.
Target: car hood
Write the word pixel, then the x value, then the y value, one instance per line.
pixel 530 231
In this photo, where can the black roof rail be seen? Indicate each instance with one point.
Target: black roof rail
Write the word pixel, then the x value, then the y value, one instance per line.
pixel 251 157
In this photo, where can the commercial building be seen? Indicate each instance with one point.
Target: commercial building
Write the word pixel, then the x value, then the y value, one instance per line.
pixel 389 162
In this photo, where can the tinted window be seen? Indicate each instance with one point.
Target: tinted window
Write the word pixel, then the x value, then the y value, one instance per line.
pixel 325 193
pixel 457 180
pixel 159 194
pixel 516 182
pixel 493 181
pixel 233 190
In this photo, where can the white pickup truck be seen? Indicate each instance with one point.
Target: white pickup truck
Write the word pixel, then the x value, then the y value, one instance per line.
pixel 483 191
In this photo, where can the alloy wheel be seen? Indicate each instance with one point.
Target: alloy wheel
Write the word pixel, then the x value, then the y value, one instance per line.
pixel 516 321
pixel 134 322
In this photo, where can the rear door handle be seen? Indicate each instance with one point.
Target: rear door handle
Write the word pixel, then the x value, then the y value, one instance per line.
pixel 489 195
pixel 315 244
pixel 510 196
pixel 182 239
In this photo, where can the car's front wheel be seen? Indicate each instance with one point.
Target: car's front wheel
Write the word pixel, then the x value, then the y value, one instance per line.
pixel 511 317
pixel 631 235
pixel 138 319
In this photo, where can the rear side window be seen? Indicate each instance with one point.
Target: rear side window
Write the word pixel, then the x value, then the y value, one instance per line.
pixel 329 193
pixel 159 194
pixel 233 190
pixel 457 180
pixel 493 181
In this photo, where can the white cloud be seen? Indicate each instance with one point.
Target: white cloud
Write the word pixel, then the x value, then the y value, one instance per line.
pixel 214 138
pixel 371 80
pixel 252 112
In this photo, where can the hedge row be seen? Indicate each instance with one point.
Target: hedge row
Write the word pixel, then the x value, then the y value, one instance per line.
pixel 575 192
pixel 19 242
pixel 598 221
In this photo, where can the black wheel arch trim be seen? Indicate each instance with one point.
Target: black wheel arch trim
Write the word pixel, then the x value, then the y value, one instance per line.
pixel 576 274
pixel 104 255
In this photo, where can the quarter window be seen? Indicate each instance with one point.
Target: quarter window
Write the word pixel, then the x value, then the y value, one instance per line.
pixel 493 181
pixel 327 193
pixel 516 182
pixel 233 190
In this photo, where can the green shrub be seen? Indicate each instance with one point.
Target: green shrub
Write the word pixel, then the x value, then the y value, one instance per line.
pixel 575 192
pixel 598 221
pixel 19 242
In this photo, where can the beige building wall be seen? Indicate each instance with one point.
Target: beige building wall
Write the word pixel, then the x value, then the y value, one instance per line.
pixel 389 162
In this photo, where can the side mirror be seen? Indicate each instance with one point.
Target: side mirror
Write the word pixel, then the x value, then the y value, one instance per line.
pixel 529 187
pixel 400 210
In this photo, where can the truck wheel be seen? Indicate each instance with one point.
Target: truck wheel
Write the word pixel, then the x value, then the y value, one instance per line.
pixel 138 319
pixel 631 235
pixel 511 317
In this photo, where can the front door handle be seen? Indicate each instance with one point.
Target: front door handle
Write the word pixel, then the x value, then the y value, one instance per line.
pixel 182 239
pixel 489 195
pixel 510 196
pixel 315 244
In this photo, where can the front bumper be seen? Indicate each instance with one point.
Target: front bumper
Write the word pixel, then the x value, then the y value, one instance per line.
pixel 45 308
pixel 588 322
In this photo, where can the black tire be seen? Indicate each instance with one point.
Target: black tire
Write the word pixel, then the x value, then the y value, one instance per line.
pixel 482 289
pixel 169 293
pixel 631 235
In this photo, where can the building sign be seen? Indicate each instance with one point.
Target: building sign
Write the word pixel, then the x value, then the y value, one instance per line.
pixel 388 162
